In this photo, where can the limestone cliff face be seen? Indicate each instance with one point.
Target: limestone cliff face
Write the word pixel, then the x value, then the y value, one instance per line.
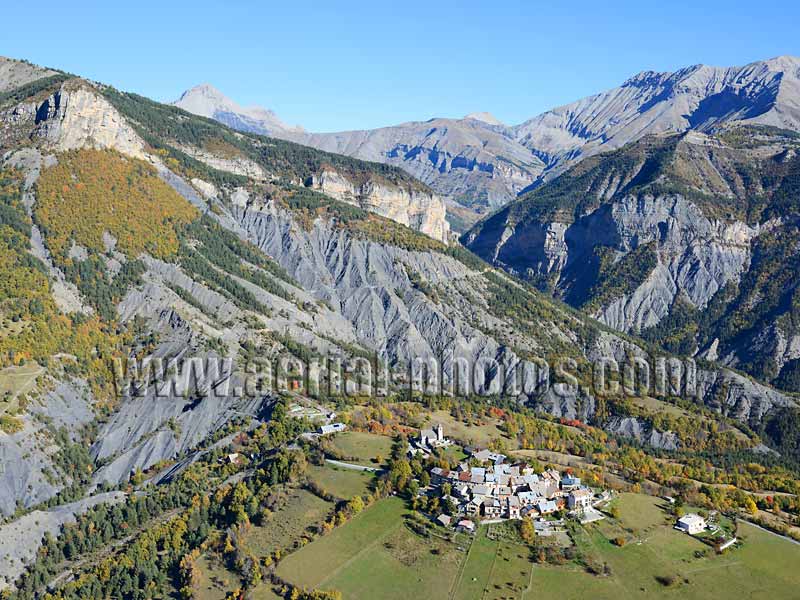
pixel 78 117
pixel 421 210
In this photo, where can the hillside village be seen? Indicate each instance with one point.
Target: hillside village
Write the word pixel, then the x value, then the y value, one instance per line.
pixel 488 487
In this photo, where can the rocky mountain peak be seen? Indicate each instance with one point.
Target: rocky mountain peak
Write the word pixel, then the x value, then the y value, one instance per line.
pixel 484 117
pixel 785 62
pixel 206 100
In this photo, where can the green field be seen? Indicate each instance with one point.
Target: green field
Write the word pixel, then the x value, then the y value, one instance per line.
pixel 329 553
pixel 363 448
pixel 298 511
pixel 761 568
pixel 342 483
pixel 641 513
pixel 493 570
pixel 765 567
pixel 377 556
pixel 215 580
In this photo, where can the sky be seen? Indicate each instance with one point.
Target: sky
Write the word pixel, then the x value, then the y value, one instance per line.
pixel 332 66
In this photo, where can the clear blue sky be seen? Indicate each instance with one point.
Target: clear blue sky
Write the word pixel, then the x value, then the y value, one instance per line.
pixel 335 65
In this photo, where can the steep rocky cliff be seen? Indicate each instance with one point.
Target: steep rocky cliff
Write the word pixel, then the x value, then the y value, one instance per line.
pixel 414 207
pixel 389 194
pixel 672 237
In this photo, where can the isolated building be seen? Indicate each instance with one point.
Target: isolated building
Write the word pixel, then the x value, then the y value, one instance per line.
pixel 546 507
pixel 443 520
pixel 433 438
pixel 332 428
pixel 691 524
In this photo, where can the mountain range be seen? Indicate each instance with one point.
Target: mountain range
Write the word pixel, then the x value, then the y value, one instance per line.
pixel 654 224
pixel 479 163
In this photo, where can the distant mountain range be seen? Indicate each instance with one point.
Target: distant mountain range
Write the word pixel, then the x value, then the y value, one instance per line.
pixel 482 163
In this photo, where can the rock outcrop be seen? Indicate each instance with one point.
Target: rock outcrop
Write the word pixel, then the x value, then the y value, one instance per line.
pixel 29 474
pixel 419 209
pixel 78 117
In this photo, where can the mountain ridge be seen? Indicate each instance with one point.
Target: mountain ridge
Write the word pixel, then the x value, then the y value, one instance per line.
pixel 686 239
pixel 481 164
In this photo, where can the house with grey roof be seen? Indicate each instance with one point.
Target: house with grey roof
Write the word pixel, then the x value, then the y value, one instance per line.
pixel 547 507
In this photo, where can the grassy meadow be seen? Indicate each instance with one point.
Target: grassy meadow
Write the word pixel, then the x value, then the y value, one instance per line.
pixel 376 555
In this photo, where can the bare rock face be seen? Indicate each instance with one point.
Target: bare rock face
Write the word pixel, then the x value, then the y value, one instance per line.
pixel 632 427
pixel 684 196
pixel 365 282
pixel 238 165
pixel 697 97
pixel 468 160
pixel 481 163
pixel 28 474
pixel 78 117
pixel 697 257
pixel 739 397
pixel 417 209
